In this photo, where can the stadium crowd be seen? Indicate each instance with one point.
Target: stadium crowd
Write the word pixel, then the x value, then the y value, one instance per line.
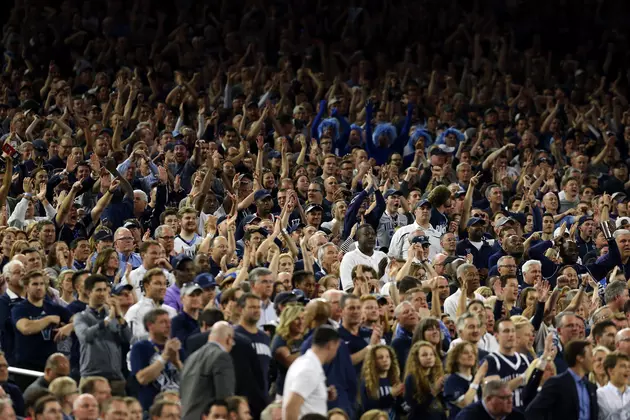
pixel 299 209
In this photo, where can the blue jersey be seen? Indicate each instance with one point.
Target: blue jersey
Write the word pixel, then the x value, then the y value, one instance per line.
pixel 32 351
pixel 508 368
pixel 260 343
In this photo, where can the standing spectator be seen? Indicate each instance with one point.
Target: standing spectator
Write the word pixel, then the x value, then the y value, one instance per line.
pixel 365 254
pixel 408 319
pixel 613 398
pixel 390 220
pixel 125 246
pixel 250 306
pixel 156 362
pixel 183 269
pixel 57 366
pixel 186 323
pixel 461 388
pixel 261 282
pixel 285 345
pixel 381 387
pixel 468 278
pixel 38 323
pixel 187 239
pixel 353 334
pixel 152 256
pixel 507 363
pixel 424 382
pixel 305 389
pixel 568 395
pixel 209 372
pixel 13 272
pixel 154 283
pixel 568 326
pixel 103 334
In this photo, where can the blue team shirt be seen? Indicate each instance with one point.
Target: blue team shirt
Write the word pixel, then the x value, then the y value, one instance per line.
pixel 508 368
pixel 260 343
pixel 75 307
pixel 455 387
pixel 356 343
pixel 143 354
pixel 183 326
pixel 33 350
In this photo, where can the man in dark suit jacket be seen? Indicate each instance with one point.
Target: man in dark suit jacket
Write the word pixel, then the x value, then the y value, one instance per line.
pixel 496 404
pixel 249 376
pixel 568 396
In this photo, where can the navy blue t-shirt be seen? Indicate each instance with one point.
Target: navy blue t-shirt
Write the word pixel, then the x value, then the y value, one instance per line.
pixel 455 387
pixel 183 326
pixel 385 402
pixel 142 355
pixel 33 350
pixel 260 343
pixel 282 370
pixel 356 343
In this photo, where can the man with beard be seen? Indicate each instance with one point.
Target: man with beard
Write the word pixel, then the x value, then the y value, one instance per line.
pixel 390 220
pixel 365 254
pixel 182 166
pixel 188 238
pixel 584 240
pixel 264 205
pixel 476 245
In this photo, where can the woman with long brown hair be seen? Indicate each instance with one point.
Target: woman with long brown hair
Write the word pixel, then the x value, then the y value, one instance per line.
pixel 429 330
pixel 381 387
pixel 107 264
pixel 424 381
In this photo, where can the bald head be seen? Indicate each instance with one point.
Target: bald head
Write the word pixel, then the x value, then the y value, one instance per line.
pixel 223 334
pixel 57 365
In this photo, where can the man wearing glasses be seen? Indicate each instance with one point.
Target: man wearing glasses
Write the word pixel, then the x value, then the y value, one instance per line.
pixel 125 245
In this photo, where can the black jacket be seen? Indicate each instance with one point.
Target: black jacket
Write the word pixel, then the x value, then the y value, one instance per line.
pixel 249 376
pixel 558 399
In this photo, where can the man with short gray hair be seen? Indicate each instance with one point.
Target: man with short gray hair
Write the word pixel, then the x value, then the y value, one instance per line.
pixel 261 282
pixel 468 277
pixel 616 295
pixel 532 272
pixel 496 404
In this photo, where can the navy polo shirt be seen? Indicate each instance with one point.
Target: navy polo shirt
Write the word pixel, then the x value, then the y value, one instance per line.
pixel 356 343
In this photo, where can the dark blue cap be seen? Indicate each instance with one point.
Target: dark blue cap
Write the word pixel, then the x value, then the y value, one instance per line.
pixel 420 239
pixel 475 220
pixel 250 219
pixel 391 192
pixel 312 207
pixel 274 154
pixel 177 134
pixel 295 227
pixel 40 144
pixel 423 202
pixel 584 219
pixel 179 259
pixel 261 195
pixel 205 280
pixel 117 289
pixel 285 297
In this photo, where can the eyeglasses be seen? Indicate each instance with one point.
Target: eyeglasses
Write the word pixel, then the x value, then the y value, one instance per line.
pixel 126 239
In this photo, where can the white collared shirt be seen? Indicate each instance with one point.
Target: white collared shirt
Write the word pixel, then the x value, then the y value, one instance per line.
pixel 610 399
pixel 354 258
pixel 399 245
pixel 267 314
pixel 135 316
pixel 451 303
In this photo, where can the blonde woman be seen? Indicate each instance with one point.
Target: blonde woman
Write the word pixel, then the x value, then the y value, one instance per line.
pixel 66 391
pixel 381 388
pixel 525 335
pixel 484 291
pixel 598 375
pixel 424 381
pixel 285 346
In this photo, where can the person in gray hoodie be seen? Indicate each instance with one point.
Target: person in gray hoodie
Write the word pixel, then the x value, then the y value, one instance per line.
pixel 103 334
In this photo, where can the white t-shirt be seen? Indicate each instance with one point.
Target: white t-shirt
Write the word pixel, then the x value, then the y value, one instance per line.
pixel 354 258
pixel 306 378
